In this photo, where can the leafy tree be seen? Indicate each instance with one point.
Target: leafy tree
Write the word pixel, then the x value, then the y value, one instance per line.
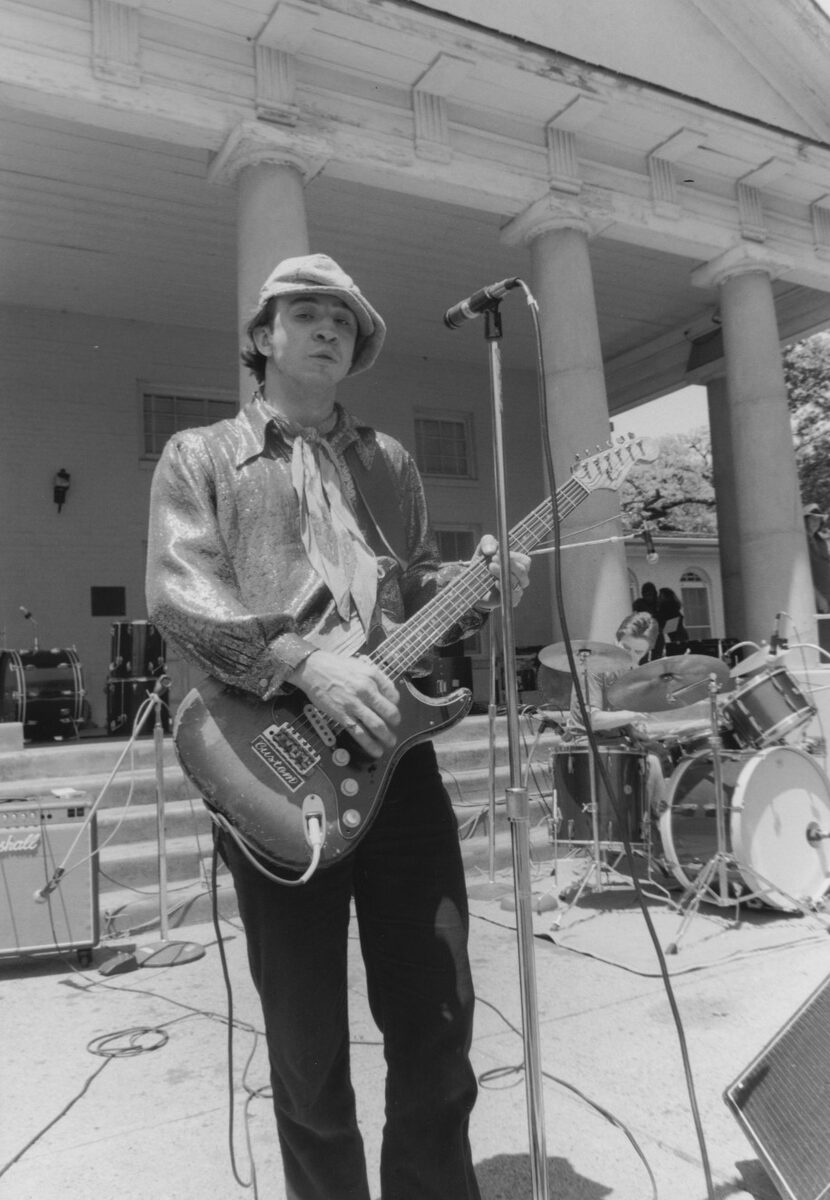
pixel 673 494
pixel 807 373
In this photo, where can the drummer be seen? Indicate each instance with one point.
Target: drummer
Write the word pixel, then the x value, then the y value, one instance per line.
pixel 636 637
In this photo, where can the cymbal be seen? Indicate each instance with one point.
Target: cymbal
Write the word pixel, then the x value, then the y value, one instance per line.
pixel 600 656
pixel 671 682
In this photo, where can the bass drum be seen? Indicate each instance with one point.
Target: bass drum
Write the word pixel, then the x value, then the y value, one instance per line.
pixel 43 690
pixel 776 805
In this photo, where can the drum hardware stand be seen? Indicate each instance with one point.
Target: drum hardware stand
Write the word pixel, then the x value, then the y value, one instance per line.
pixel 720 861
pixel 596 865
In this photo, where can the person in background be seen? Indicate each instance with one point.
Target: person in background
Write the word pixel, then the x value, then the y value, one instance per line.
pixel 670 617
pixel 818 543
pixel 647 600
pixel 268 566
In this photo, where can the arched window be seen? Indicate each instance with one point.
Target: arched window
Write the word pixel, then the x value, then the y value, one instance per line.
pixel 694 596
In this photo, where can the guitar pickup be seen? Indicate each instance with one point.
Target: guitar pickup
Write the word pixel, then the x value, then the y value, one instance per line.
pixel 289 755
pixel 319 722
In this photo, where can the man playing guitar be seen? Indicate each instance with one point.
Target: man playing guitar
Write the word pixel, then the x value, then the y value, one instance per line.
pixel 270 563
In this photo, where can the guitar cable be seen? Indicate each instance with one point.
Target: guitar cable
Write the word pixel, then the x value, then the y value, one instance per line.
pixel 594 750
pixel 314 834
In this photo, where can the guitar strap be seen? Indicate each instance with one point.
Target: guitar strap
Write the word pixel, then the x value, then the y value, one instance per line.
pixel 379 494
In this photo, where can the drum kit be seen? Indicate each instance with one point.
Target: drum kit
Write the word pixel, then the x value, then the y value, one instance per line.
pixel 43 690
pixel 138 660
pixel 745 811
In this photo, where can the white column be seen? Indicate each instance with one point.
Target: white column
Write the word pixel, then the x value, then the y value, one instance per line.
pixel 268 168
pixel 771 544
pixel 594 578
pixel 723 482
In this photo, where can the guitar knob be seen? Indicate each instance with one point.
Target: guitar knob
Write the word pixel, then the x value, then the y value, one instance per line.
pixel 341 757
pixel 351 818
pixel 349 787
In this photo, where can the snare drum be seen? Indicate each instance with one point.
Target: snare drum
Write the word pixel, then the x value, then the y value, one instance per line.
pixel 768 709
pixel 772 803
pixel 626 770
pixel 43 690
pixel 679 746
pixel 137 650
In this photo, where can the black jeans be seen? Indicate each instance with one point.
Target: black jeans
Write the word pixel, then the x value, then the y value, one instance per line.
pixel 408 884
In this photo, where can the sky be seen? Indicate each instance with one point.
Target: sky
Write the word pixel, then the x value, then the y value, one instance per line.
pixel 677 413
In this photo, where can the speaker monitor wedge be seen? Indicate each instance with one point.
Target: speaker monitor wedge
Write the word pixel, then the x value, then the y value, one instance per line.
pixel 782 1101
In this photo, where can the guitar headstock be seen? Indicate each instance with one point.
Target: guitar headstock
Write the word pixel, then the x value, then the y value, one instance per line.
pixel 609 467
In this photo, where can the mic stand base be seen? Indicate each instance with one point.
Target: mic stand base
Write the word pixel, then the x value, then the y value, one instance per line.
pixel 167 954
pixel 163 953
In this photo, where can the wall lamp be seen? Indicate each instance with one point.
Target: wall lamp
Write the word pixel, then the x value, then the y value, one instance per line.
pixel 60 486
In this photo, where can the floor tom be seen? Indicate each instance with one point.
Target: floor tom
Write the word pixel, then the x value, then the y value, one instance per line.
pixel 137 650
pixel 124 700
pixel 623 809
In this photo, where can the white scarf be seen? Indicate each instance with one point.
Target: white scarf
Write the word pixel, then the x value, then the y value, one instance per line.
pixel 330 534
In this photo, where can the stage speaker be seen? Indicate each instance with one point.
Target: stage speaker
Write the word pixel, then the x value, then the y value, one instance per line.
pixel 782 1102
pixel 35 838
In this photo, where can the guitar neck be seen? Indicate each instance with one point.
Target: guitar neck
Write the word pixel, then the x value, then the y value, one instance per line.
pixel 405 645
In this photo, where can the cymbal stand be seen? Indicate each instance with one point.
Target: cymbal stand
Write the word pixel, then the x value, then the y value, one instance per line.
pixel 596 866
pixel 718 865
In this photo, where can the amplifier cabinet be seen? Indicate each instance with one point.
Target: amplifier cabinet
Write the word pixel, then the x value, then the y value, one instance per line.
pixel 782 1102
pixel 35 838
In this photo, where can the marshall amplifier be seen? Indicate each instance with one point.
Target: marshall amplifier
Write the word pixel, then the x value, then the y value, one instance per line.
pixel 35 838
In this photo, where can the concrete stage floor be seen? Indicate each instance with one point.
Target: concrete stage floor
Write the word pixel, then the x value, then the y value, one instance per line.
pixel 151 1118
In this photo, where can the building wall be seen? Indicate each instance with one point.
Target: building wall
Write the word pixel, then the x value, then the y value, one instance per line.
pixel 70 399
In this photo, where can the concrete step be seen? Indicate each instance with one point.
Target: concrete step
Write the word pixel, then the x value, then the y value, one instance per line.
pixel 127 814
pixel 128 911
pixel 138 786
pixel 463 755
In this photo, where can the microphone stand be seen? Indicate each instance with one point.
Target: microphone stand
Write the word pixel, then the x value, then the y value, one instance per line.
pixel 163 953
pixel 518 806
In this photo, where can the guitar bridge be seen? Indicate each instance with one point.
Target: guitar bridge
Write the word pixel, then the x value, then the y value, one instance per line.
pixel 289 755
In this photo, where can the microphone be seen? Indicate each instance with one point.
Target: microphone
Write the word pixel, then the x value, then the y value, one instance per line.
pixel 777 639
pixel 29 617
pixel 651 554
pixel 484 298
pixel 162 682
pixel 41 894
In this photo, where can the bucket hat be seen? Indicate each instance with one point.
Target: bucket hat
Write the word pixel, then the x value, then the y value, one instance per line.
pixel 319 274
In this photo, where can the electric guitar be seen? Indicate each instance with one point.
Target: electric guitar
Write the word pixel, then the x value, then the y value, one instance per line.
pixel 269 771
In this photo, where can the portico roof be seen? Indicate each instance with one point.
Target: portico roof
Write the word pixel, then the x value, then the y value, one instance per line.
pixel 677 129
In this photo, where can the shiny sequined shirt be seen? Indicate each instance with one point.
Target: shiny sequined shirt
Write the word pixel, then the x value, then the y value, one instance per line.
pixel 228 579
